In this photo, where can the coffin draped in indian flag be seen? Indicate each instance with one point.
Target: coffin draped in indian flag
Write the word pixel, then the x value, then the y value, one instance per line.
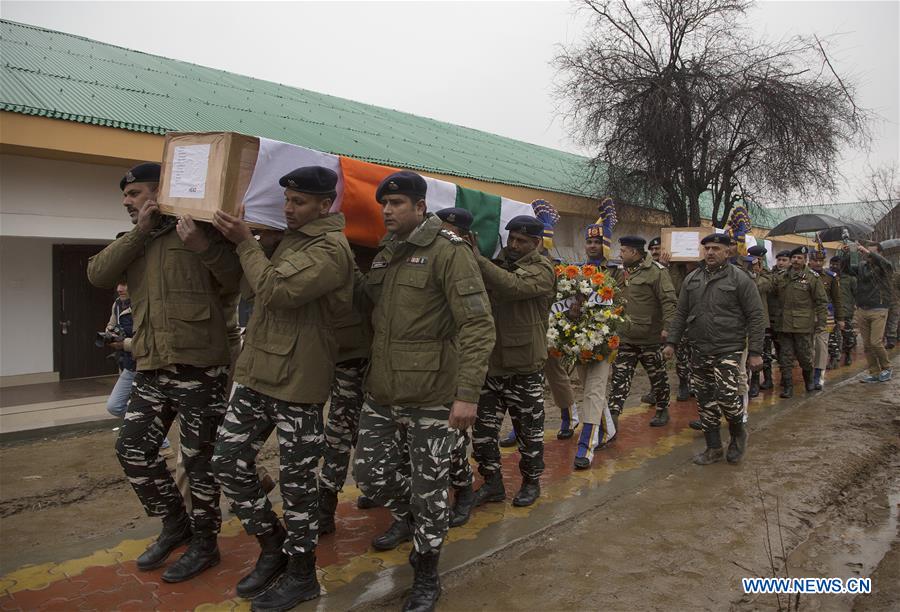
pixel 207 171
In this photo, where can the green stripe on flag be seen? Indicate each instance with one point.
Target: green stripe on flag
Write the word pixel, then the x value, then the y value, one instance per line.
pixel 485 209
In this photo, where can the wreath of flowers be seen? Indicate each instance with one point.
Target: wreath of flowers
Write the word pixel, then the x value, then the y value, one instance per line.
pixel 586 316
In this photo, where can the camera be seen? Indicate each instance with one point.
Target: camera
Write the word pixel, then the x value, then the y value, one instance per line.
pixel 116 334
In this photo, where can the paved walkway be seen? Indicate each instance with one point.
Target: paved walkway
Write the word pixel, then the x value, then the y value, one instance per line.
pixel 351 573
pixel 52 406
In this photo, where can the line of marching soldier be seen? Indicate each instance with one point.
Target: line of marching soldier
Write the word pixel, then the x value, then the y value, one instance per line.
pixel 433 342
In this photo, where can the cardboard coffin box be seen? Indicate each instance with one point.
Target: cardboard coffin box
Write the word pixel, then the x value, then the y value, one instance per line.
pixel 203 172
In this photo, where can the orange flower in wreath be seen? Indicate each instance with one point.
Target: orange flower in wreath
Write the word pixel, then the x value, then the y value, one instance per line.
pixel 560 270
pixel 585 354
pixel 589 270
pixel 555 353
pixel 598 278
pixel 618 310
pixel 598 357
pixel 572 271
pixel 607 293
pixel 613 342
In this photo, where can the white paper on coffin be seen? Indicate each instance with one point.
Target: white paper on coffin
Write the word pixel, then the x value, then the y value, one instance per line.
pixel 264 200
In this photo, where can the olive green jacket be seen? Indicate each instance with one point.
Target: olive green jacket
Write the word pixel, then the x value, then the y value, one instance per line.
pixel 353 330
pixel 802 301
pixel 290 347
pixel 521 293
pixel 765 285
pixel 848 296
pixel 650 301
pixel 832 286
pixel 433 330
pixel 179 298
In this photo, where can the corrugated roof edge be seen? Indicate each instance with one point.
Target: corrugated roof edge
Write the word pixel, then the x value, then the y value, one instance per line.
pixel 162 129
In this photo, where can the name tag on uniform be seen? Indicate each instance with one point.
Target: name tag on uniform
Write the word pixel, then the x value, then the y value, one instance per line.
pixel 417 260
pixel 379 264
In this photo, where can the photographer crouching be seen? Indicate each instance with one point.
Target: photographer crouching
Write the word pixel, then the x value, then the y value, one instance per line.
pixel 117 336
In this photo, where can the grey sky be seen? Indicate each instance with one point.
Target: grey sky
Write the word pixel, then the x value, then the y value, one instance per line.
pixel 483 65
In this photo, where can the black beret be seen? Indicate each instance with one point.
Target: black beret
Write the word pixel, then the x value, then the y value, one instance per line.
pixel 800 250
pixel 142 173
pixel 460 217
pixel 655 242
pixel 757 251
pixel 784 253
pixel 633 241
pixel 317 180
pixel 717 239
pixel 526 225
pixel 404 183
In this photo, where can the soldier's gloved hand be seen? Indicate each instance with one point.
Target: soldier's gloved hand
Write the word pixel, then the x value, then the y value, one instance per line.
pixel 193 237
pixel 668 352
pixel 755 362
pixel 462 415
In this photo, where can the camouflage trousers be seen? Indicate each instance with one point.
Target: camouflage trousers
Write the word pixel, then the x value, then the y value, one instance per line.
pixel 768 348
pixel 343 421
pixel 461 473
pixel 716 384
pixel 250 420
pixel 847 340
pixel 650 356
pixel 683 353
pixel 378 466
pixel 196 395
pixel 795 345
pixel 522 395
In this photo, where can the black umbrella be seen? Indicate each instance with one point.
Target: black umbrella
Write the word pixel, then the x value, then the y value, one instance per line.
pixel 810 222
pixel 855 229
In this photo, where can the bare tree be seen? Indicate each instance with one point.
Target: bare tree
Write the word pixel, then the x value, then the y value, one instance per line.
pixel 680 101
pixel 880 196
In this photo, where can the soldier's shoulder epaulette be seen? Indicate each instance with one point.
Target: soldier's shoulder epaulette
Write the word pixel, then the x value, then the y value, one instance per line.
pixel 814 273
pixel 451 236
pixel 659 265
pixel 830 273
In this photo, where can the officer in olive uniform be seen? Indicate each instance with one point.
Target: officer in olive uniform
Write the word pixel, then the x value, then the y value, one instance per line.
pixel 179 275
pixel 433 335
pixel 843 340
pixel 353 333
pixel 520 283
pixel 803 306
pixel 763 279
pixel 649 305
pixel 835 320
pixel 283 379
pixel 720 309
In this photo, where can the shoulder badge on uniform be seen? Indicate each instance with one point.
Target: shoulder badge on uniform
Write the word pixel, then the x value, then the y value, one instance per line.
pixel 659 265
pixel 418 260
pixel 814 272
pixel 451 236
pixel 379 264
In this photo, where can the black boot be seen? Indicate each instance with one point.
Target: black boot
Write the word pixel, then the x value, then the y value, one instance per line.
pixel 808 382
pixel 462 506
pixel 528 494
pixel 426 589
pixel 328 501
pixel 660 418
pixel 787 385
pixel 398 533
pixel 684 389
pixel 297 584
pixel 175 532
pixel 848 359
pixel 713 452
pixel 269 565
pixel 738 443
pixel 365 503
pixel 832 363
pixel 615 419
pixel 768 382
pixel 697 425
pixel 492 490
pixel 753 391
pixel 202 554
pixel 648 398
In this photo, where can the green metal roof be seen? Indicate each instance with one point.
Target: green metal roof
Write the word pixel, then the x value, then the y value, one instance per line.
pixel 62 76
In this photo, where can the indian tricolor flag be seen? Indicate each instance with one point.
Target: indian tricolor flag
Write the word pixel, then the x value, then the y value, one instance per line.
pixel 356 196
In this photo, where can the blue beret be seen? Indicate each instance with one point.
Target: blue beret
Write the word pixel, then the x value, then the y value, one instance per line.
pixel 800 250
pixel 317 180
pixel 718 239
pixel 142 173
pixel 526 225
pixel 404 183
pixel 784 253
pixel 460 217
pixel 655 242
pixel 757 251
pixel 635 242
